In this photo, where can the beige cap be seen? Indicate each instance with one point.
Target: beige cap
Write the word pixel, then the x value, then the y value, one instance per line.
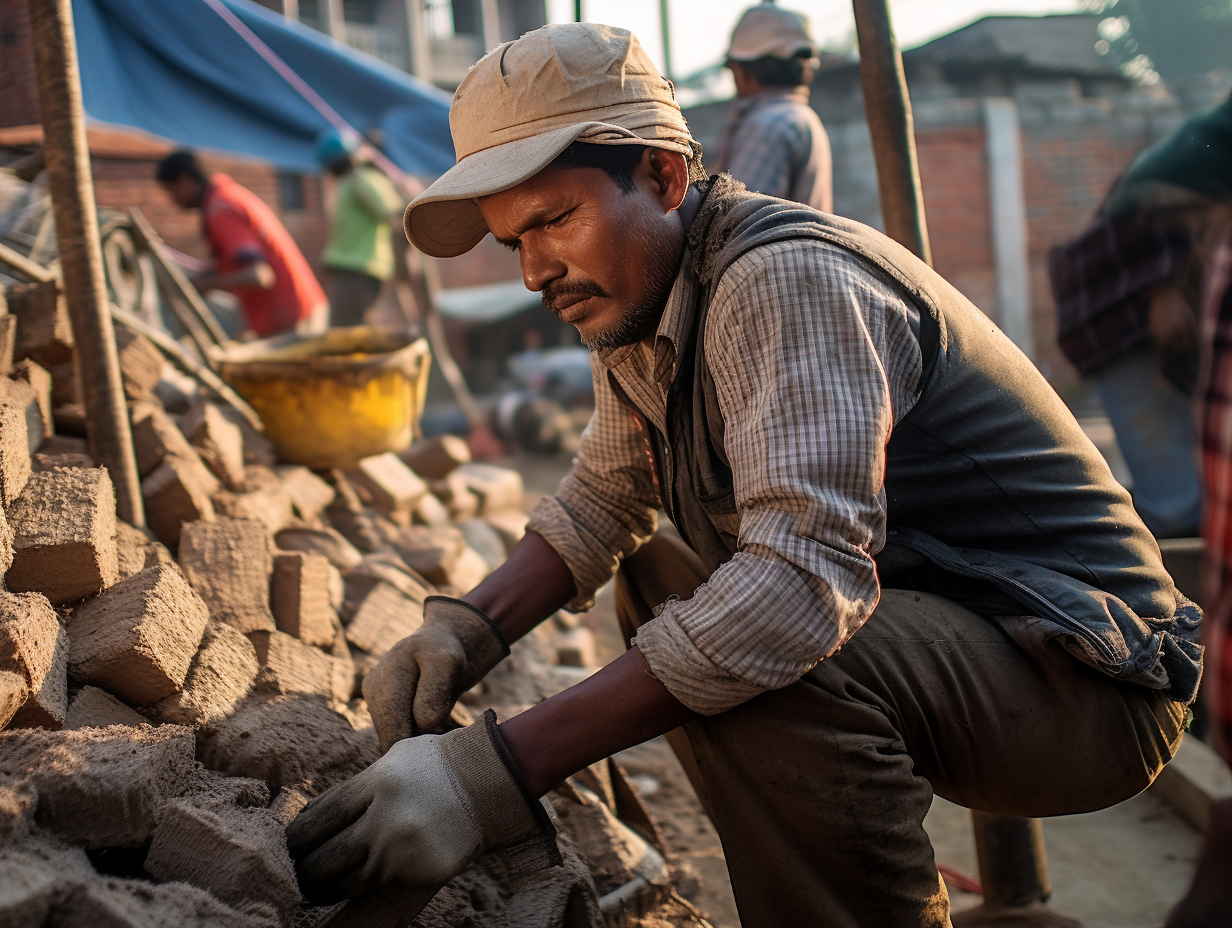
pixel 528 100
pixel 767 30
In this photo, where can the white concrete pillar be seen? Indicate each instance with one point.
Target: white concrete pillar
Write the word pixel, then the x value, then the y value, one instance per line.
pixel 1009 221
pixel 419 49
pixel 489 13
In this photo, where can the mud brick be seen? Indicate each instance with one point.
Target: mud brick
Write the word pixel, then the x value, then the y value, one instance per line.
pixel 229 562
pixel 39 380
pixel 290 666
pixel 157 437
pixel 431 552
pixel 467 572
pixel 237 854
pixel 14 451
pixel 221 674
pixel 497 487
pixel 300 598
pixel 17 803
pixel 65 387
pixel 8 343
pixel 510 524
pixel 107 902
pixel 44 332
pixel 64 527
pixel 95 708
pixel 64 444
pixel 263 498
pixel 45 462
pixel 259 451
pixel 352 517
pixel 70 419
pixel 433 458
pixel 486 540
pixel 389 485
pixel 101 787
pixel 141 364
pixel 324 541
pixel 20 394
pixel 219 442
pixel 309 493
pixel 34 646
pixel 385 617
pixel 35 875
pixel 382 568
pixel 6 543
pixel 576 648
pixel 430 511
pixel 138 638
pixel 13 693
pixel 177 493
pixel 135 550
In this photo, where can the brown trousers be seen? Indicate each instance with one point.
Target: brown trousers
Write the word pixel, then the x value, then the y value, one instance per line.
pixel 819 789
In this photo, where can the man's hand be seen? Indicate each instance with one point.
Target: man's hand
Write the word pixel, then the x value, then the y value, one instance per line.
pixel 417 682
pixel 419 816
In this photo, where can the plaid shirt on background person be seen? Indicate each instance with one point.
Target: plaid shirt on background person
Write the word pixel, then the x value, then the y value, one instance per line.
pixel 1101 282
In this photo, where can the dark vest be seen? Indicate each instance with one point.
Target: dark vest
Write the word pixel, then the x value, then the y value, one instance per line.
pixel 996 498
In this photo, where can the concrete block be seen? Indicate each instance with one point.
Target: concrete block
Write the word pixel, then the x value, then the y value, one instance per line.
pixel 1194 780
pixel 157 437
pixel 388 484
pixel 430 552
pixel 290 666
pixel 238 855
pixel 220 676
pixel 138 638
pixel 300 597
pixel 219 442
pixel 95 708
pixel 510 524
pixel 39 380
pixel 497 487
pixel 34 646
pixel 101 787
pixel 14 451
pixel 44 332
pixel 135 550
pixel 262 498
pixel 13 693
pixel 22 395
pixel 177 493
pixel 434 458
pixel 327 542
pixel 229 562
pixel 141 364
pixel 310 495
pixel 384 618
pixel 64 527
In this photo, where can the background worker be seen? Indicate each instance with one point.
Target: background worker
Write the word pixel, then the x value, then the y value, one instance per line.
pixel 907 571
pixel 254 257
pixel 359 256
pixel 774 142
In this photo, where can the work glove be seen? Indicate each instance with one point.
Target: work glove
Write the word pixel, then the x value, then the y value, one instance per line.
pixel 419 816
pixel 417 682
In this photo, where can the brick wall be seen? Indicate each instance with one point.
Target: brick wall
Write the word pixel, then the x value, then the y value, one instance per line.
pixel 18 91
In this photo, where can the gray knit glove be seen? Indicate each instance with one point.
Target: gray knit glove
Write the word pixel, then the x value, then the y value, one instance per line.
pixel 417 682
pixel 419 816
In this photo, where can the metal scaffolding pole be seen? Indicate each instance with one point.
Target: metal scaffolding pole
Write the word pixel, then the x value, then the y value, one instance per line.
pixel 665 27
pixel 81 257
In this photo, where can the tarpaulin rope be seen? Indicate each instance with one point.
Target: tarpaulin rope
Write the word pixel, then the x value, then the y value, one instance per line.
pixel 409 185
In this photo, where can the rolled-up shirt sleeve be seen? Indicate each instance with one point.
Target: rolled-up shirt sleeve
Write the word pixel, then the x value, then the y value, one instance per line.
pixel 607 505
pixel 814 358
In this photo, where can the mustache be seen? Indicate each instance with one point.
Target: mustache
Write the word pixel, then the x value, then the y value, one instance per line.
pixel 556 290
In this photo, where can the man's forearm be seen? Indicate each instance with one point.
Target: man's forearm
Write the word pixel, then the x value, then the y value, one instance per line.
pixel 619 706
pixel 257 274
pixel 532 584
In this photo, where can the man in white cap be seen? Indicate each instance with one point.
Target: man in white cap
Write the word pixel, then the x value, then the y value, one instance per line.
pixel 855 457
pixel 774 142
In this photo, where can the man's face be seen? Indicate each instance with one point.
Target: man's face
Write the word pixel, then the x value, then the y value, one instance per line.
pixel 185 191
pixel 603 260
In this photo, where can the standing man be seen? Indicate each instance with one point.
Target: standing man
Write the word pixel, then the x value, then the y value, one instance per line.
pixel 774 142
pixel 856 458
pixel 254 256
pixel 359 256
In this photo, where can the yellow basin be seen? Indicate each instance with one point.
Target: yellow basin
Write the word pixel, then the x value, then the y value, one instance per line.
pixel 329 400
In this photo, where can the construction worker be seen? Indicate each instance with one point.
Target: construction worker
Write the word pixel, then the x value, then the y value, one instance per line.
pixel 905 570
pixel 774 142
pixel 359 256
pixel 254 256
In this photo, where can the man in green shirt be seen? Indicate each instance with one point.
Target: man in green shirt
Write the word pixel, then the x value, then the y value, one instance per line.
pixel 359 256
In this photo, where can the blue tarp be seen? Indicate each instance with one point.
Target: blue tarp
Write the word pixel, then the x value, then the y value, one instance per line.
pixel 177 69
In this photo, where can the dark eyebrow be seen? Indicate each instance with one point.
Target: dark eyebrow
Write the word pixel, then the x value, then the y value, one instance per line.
pixel 507 242
pixel 536 219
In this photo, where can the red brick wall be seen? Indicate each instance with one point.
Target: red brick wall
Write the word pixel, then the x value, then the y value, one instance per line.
pixel 18 91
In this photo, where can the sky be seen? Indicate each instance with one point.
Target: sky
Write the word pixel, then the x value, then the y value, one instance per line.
pixel 701 28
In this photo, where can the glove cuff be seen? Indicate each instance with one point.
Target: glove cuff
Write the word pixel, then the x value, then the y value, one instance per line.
pixel 510 819
pixel 472 625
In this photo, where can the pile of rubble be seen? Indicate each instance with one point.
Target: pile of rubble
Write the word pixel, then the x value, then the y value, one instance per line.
pixel 172 697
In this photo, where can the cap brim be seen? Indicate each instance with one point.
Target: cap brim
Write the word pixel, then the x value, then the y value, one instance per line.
pixel 444 221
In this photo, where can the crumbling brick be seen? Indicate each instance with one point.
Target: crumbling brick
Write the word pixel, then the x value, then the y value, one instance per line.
pixel 95 708
pixel 8 342
pixel 177 493
pixel 17 803
pixel 33 882
pixel 349 514
pixel 229 563
pixel 238 855
pixel 119 903
pixel 497 487
pixel 64 527
pixel 221 674
pixel 378 568
pixel 101 787
pixel 39 380
pixel 324 541
pixel 262 498
pixel 135 550
pixel 467 572
pixel 433 458
pixel 219 442
pixel 481 536
pixel 384 618
pixel 431 552
pixel 14 451
pixel 138 638
pixel 34 646
pixel 157 437
pixel 141 364
pixel 45 462
pixel 389 485
pixel 290 666
pixel 13 692
pixel 309 493
pixel 300 597
pixel 44 332
pixel 22 395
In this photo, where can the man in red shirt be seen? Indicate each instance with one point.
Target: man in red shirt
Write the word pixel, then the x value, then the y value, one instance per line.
pixel 254 256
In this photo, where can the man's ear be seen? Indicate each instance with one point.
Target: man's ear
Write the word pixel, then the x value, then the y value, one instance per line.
pixel 667 173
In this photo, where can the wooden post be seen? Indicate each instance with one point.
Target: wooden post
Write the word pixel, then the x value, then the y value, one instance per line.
pixel 81 257
pixel 888 109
